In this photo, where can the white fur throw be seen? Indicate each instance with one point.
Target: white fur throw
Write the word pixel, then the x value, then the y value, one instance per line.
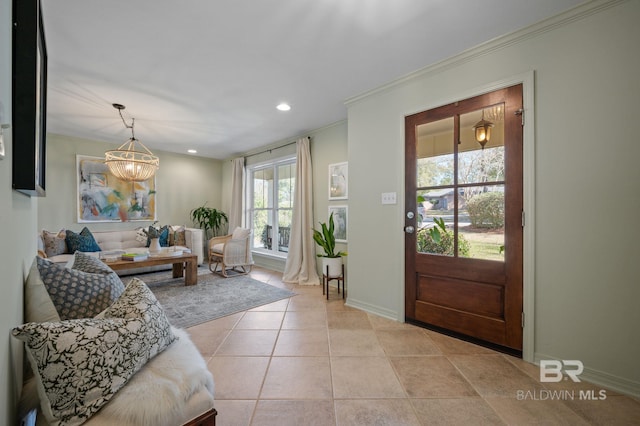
pixel 158 394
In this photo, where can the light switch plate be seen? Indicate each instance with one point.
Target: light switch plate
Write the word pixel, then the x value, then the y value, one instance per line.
pixel 388 198
pixel 2 128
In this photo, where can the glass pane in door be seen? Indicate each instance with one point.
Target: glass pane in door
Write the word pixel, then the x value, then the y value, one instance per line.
pixel 481 226
pixel 477 162
pixel 434 149
pixel 435 190
pixel 434 233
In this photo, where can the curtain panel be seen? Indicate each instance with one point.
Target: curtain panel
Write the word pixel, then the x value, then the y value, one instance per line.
pixel 237 185
pixel 300 267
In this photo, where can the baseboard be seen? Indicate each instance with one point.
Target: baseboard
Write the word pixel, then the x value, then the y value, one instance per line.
pixel 606 380
pixel 372 309
pixel 269 262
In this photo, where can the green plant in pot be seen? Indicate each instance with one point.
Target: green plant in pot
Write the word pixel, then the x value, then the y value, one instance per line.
pixel 209 219
pixel 327 240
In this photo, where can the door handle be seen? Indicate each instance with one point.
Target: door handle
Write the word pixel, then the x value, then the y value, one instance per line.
pixel 409 229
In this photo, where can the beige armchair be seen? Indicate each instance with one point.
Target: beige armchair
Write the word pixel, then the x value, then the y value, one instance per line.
pixel 231 252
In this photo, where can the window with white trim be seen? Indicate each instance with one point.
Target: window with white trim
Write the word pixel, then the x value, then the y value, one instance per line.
pixel 270 204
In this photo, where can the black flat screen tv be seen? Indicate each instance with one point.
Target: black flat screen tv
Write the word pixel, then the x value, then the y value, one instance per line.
pixel 29 103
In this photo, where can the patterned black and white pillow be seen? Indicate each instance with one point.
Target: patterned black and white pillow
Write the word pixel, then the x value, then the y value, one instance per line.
pixel 80 364
pixel 86 263
pixel 79 294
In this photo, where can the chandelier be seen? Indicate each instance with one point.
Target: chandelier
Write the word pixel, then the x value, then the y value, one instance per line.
pixel 132 161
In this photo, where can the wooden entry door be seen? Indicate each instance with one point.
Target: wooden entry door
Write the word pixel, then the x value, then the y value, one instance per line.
pixel 464 217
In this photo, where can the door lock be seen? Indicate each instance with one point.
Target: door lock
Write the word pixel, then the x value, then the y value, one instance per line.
pixel 410 215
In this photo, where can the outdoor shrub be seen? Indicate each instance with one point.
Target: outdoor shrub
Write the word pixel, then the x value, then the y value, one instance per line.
pixel 427 244
pixel 486 210
pixel 264 237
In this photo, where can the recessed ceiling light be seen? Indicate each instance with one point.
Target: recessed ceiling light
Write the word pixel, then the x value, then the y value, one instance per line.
pixel 192 151
pixel 284 107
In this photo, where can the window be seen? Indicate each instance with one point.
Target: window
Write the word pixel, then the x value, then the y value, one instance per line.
pixel 270 202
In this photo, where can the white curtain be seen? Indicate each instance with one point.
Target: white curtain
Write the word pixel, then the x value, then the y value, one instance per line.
pixel 237 184
pixel 301 260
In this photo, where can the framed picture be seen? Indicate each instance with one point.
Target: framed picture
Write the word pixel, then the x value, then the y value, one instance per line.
pixel 29 98
pixel 339 222
pixel 338 181
pixel 104 198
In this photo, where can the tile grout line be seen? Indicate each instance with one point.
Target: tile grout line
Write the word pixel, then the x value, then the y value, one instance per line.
pixel 266 371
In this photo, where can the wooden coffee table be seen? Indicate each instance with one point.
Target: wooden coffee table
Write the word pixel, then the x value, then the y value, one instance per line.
pixel 184 265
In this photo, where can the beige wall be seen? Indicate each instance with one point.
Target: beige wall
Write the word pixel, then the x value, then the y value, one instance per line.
pixel 586 176
pixel 183 182
pixel 18 216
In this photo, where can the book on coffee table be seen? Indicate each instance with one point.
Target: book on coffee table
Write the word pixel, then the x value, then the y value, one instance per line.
pixel 134 256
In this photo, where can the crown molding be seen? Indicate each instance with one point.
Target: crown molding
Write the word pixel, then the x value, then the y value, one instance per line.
pixel 574 14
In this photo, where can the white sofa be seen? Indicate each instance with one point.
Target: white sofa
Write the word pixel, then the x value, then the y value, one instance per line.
pixel 120 241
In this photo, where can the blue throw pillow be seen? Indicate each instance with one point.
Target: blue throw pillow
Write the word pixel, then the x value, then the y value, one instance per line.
pixel 83 241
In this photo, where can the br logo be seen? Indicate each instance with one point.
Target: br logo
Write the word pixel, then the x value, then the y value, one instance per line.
pixel 551 370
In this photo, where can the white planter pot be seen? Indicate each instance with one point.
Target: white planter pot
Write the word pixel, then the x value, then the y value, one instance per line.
pixel 154 245
pixel 335 266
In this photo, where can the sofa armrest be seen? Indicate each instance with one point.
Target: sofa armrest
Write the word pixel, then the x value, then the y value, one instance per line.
pixel 194 239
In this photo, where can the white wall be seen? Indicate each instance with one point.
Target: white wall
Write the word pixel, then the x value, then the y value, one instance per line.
pixel 586 195
pixel 18 216
pixel 183 183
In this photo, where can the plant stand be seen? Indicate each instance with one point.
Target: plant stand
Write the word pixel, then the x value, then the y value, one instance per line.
pixel 326 278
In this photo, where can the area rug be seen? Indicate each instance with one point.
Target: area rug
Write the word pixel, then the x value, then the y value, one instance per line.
pixel 213 297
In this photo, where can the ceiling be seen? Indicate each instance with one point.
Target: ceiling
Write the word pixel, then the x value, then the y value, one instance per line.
pixel 208 74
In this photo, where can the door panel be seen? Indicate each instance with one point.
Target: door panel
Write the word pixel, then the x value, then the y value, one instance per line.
pixel 469 296
pixel 464 263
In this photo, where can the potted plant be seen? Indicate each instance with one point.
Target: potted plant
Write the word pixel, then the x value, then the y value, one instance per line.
pixel 208 218
pixel 327 240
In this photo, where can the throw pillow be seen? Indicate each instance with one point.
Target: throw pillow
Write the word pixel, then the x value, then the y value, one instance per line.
pixel 78 294
pixel 141 235
pixel 240 233
pixel 86 263
pixel 80 364
pixel 83 241
pixel 38 306
pixel 54 242
pixel 177 236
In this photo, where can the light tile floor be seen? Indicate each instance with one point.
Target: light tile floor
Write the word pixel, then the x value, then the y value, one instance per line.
pixel 309 361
